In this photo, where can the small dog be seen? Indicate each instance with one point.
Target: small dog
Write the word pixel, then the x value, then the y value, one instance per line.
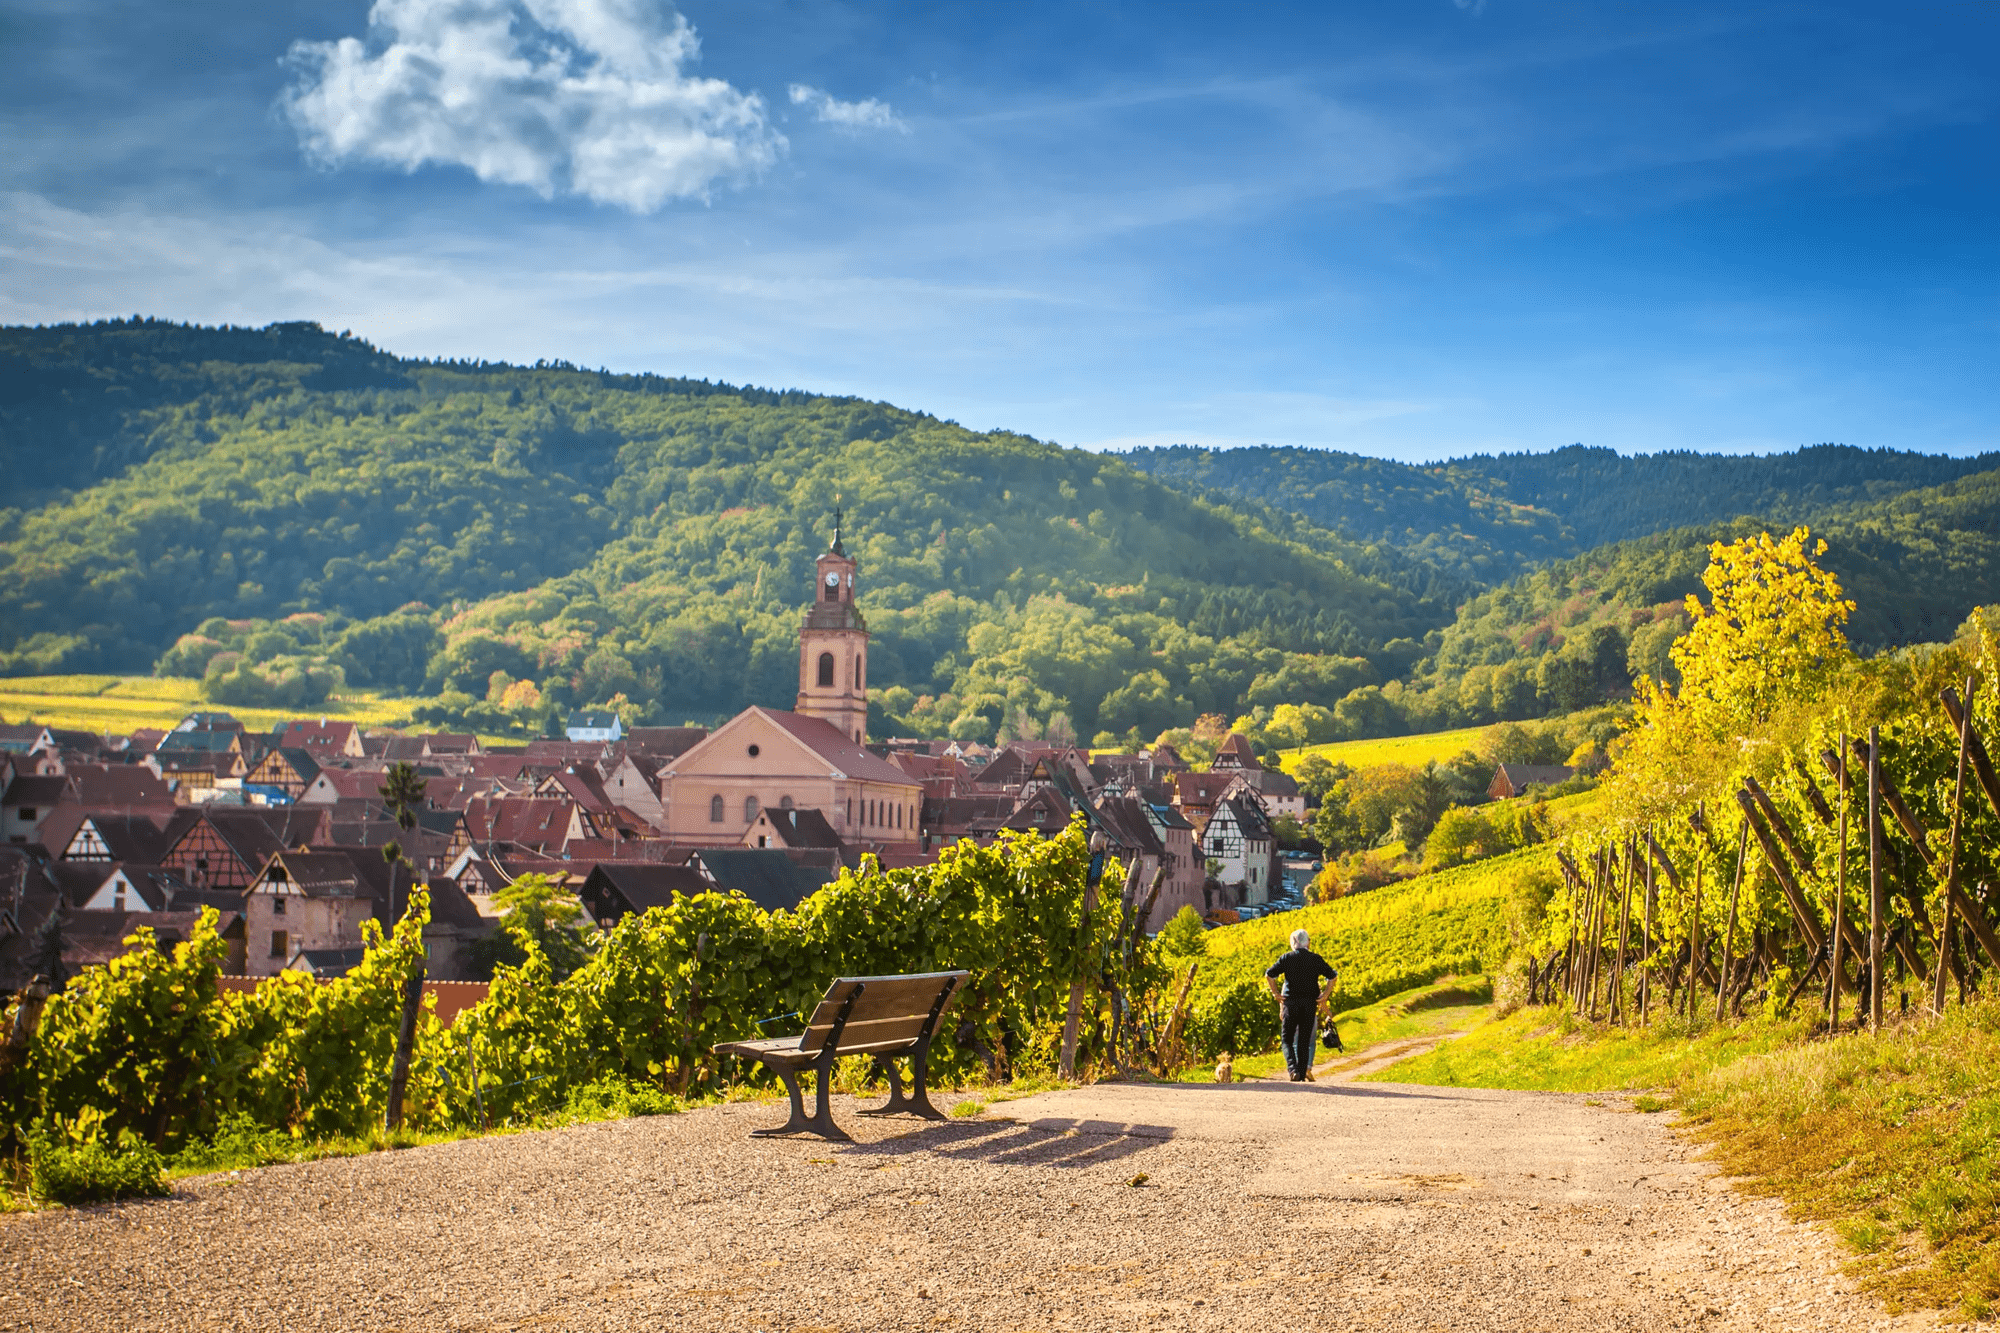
pixel 1225 1069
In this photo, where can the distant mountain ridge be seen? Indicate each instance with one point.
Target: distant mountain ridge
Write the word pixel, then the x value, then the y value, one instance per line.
pixel 1489 518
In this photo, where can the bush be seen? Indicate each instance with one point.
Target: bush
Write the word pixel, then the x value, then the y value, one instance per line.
pixel 615 1099
pixel 73 1163
pixel 239 1142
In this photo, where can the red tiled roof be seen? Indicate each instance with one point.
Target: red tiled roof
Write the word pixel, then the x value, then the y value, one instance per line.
pixel 826 740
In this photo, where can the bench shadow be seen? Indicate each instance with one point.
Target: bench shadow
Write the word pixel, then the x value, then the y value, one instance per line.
pixel 1053 1141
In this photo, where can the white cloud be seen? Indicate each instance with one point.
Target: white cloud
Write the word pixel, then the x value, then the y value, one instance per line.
pixel 585 97
pixel 867 114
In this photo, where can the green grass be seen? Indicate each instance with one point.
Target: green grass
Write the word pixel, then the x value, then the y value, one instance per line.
pixel 1888 1139
pixel 1411 750
pixel 1549 1050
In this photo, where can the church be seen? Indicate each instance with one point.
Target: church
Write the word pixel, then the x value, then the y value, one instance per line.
pixel 814 757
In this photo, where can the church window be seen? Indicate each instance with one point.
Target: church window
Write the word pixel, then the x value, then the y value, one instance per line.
pixel 826 670
pixel 784 803
pixel 715 809
pixel 753 752
pixel 749 808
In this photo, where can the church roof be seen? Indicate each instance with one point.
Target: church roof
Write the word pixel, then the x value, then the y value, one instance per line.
pixel 826 740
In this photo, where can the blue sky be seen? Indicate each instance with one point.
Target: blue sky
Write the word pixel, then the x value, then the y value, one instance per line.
pixel 1405 229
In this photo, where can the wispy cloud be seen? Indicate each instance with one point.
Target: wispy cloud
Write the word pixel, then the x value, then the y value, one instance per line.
pixel 867 114
pixel 584 97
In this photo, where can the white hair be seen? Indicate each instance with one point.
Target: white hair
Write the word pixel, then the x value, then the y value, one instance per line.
pixel 1300 939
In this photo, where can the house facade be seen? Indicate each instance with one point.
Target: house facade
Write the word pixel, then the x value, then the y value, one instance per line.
pixel 1238 841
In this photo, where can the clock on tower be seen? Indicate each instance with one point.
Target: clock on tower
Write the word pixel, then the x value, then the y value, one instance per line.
pixel 833 647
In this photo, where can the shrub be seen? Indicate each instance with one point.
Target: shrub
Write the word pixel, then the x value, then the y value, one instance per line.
pixel 73 1162
pixel 239 1142
pixel 614 1099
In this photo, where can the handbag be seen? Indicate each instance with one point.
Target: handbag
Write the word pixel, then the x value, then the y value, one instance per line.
pixel 1330 1036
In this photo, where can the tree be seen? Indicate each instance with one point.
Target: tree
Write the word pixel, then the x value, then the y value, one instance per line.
pixel 1772 630
pixel 1183 937
pixel 539 908
pixel 1317 776
pixel 1460 835
pixel 1335 826
pixel 403 794
pixel 48 949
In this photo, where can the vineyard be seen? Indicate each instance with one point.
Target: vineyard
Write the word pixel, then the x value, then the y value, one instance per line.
pixel 148 1061
pixel 1783 918
pixel 1384 941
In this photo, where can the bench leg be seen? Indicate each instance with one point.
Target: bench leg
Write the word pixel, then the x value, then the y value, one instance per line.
pixel 918 1103
pixel 820 1122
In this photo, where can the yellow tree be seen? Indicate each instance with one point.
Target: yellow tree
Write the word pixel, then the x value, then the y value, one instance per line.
pixel 1770 635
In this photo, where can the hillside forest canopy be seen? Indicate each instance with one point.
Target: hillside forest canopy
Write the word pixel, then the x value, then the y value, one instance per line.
pixel 286 512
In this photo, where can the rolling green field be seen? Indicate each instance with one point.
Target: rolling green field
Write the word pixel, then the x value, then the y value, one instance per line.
pixel 1412 750
pixel 119 704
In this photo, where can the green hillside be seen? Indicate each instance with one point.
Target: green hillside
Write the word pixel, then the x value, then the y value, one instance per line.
pixel 284 513
pixel 1492 518
pixel 308 504
pixel 1577 631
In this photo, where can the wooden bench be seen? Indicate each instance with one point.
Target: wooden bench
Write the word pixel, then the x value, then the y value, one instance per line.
pixel 885 1017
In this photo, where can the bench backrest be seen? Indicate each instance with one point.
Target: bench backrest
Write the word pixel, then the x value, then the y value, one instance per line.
pixel 883 1013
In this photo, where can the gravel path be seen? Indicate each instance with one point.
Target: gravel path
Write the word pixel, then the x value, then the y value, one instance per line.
pixel 1319 1206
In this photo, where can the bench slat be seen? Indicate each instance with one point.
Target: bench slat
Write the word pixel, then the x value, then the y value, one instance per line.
pixel 903 1027
pixel 871 1006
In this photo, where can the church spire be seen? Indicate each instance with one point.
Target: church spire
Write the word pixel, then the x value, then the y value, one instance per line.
pixel 836 548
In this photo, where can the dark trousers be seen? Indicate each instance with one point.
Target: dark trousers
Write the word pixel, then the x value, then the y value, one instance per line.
pixel 1299 1034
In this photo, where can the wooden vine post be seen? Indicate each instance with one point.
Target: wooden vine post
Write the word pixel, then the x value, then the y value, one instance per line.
pixel 1950 889
pixel 1066 1066
pixel 1839 903
pixel 1876 902
pixel 1729 931
pixel 1646 942
pixel 1617 1007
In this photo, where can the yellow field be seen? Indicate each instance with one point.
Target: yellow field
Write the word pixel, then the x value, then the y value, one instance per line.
pixel 1412 750
pixel 118 704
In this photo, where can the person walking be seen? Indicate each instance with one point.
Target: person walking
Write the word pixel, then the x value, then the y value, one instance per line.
pixel 1298 1001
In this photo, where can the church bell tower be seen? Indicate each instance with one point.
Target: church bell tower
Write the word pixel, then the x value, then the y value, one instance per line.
pixel 833 647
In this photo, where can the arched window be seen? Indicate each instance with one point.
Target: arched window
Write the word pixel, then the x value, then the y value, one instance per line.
pixel 826 671
pixel 784 803
pixel 749 809
pixel 715 809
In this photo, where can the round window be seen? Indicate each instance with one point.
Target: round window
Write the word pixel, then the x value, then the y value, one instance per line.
pixel 753 752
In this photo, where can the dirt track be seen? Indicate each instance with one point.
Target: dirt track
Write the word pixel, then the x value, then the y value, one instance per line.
pixel 1334 1205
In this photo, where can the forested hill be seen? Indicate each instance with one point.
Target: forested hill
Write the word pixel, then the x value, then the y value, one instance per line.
pixel 1575 631
pixel 539 537
pixel 1489 518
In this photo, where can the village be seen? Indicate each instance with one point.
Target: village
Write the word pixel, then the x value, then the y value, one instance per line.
pixel 284 833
